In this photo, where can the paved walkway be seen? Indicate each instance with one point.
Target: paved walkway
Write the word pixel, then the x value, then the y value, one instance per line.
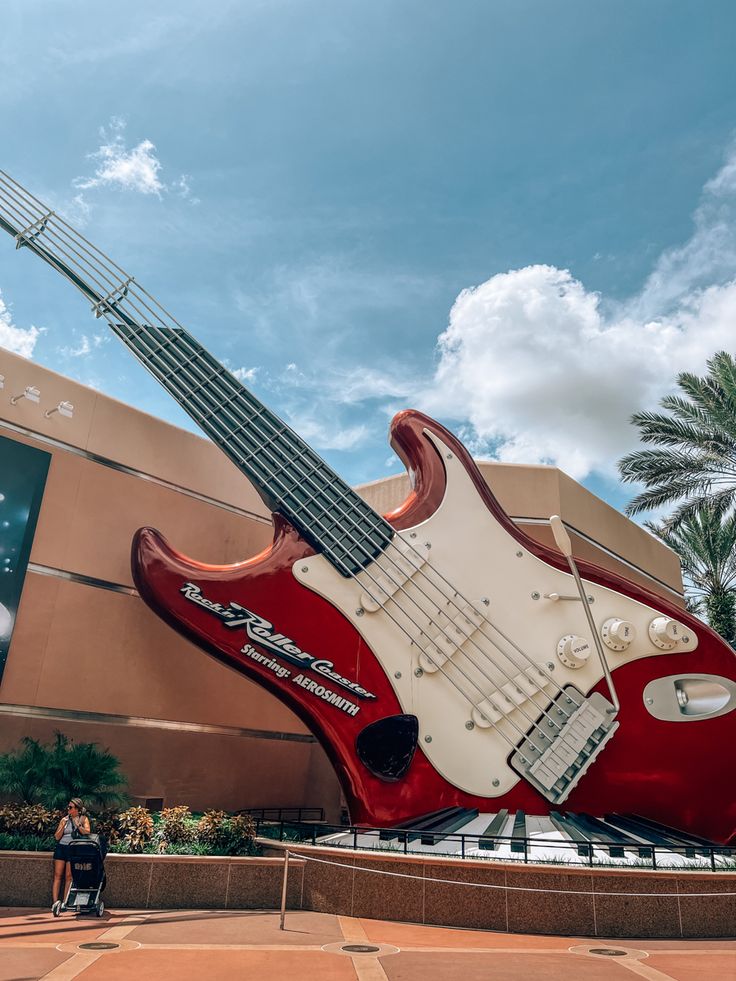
pixel 186 945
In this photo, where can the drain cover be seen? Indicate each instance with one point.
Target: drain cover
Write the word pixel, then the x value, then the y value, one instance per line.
pixel 608 952
pixel 98 946
pixel 359 949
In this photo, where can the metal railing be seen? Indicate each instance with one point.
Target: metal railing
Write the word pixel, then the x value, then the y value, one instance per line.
pixel 591 853
pixel 298 815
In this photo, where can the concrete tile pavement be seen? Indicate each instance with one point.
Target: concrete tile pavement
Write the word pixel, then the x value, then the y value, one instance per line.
pixel 184 945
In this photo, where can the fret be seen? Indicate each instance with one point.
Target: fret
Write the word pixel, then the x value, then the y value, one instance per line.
pixel 178 388
pixel 221 432
pixel 225 433
pixel 235 395
pixel 343 557
pixel 257 451
pixel 185 391
pixel 337 550
pixel 184 364
pixel 231 398
pixel 172 371
pixel 287 463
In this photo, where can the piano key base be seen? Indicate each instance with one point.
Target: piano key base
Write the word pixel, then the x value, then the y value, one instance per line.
pixel 569 839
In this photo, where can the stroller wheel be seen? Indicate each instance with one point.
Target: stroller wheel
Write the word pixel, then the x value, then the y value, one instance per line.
pixel 100 908
pixel 56 908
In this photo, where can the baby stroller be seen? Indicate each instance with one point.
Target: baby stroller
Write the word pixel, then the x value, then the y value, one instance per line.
pixel 87 859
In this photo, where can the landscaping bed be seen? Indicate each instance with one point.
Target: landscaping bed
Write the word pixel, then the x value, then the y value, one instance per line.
pixel 136 831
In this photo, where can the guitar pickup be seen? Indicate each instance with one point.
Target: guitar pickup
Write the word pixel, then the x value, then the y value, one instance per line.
pixel 554 760
pixel 390 572
pixel 450 636
pixel 522 688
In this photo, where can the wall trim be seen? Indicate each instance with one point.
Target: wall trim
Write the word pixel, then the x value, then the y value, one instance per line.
pixel 141 722
pixel 79 577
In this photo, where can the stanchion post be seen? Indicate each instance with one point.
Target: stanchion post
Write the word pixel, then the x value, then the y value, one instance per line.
pixel 284 887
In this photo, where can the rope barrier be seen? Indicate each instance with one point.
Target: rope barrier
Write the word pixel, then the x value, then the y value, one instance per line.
pixel 487 885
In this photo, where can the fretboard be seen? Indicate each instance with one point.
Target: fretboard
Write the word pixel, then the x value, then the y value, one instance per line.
pixel 290 476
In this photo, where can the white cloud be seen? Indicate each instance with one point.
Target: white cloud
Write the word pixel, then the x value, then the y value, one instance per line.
pixel 137 169
pixel 322 436
pixel 541 373
pixel 245 375
pixel 359 384
pixel 128 170
pixel 708 256
pixel 183 187
pixel 76 211
pixel 16 339
pixel 81 350
pixel 324 292
pixel 146 35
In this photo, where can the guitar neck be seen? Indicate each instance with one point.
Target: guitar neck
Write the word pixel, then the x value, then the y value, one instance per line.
pixel 291 478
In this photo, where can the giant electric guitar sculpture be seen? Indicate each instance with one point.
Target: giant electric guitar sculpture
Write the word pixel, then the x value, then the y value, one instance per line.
pixel 438 653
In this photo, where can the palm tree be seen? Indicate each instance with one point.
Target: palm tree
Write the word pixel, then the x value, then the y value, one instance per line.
pixel 23 773
pixel 697 433
pixel 706 544
pixel 82 770
pixel 52 774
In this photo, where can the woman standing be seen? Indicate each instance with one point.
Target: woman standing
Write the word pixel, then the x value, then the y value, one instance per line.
pixel 75 820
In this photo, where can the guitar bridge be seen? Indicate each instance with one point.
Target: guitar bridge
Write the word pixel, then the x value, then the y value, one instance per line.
pixel 553 760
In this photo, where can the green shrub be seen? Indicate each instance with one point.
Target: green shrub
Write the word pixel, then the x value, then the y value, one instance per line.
pixel 175 826
pixel 242 835
pixel 190 848
pixel 134 829
pixel 211 828
pixel 107 824
pixel 26 843
pixel 227 835
pixel 28 819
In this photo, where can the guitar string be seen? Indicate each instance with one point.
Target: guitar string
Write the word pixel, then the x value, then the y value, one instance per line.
pixel 447 600
pixel 109 309
pixel 520 731
pixel 170 370
pixel 218 378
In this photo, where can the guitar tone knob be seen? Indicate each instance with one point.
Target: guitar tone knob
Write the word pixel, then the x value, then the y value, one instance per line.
pixel 573 651
pixel 618 634
pixel 665 632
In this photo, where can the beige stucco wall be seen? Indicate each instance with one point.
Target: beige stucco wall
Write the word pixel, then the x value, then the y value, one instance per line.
pixel 91 659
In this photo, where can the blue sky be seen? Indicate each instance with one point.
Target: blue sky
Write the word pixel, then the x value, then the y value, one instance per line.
pixel 517 216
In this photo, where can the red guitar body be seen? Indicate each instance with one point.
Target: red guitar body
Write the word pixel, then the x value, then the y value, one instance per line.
pixel 679 774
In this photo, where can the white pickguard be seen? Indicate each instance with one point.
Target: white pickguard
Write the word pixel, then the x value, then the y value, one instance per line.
pixel 482 561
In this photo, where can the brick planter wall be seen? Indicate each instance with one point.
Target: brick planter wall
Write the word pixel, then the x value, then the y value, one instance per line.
pixel 159 881
pixel 557 911
pixel 612 904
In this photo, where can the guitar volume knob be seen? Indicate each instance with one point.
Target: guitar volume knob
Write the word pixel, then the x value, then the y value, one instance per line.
pixel 573 651
pixel 618 634
pixel 664 632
